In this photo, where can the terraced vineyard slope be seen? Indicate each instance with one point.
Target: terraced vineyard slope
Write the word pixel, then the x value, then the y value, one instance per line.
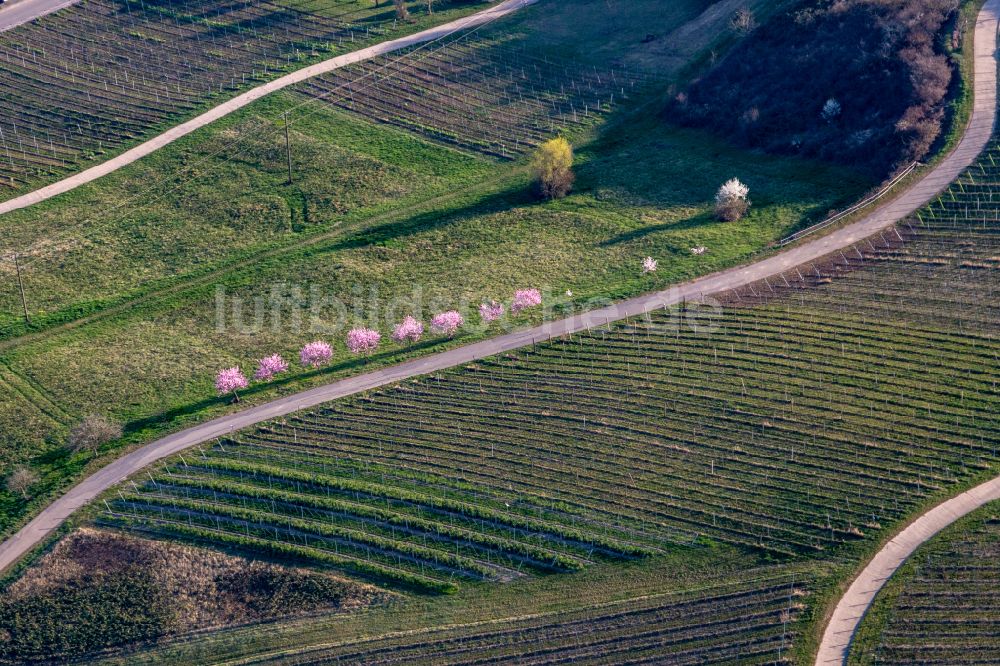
pixel 612 443
pixel 131 263
pixel 486 95
pixel 943 606
pixel 749 623
pixel 793 425
pixel 771 440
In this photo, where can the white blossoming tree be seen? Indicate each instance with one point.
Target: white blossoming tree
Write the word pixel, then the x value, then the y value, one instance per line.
pixel 731 202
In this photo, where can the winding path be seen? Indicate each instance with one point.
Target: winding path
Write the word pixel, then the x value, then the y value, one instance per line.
pixel 851 609
pixel 882 218
pixel 240 101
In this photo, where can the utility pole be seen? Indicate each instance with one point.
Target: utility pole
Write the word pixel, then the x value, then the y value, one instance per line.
pixel 20 287
pixel 288 149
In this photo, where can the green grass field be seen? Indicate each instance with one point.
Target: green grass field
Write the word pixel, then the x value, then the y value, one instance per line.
pixel 218 196
pixel 591 243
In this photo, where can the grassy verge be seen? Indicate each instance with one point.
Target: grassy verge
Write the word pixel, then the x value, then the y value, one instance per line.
pixel 959 44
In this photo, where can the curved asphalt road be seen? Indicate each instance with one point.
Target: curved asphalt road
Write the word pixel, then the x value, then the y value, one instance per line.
pixel 850 610
pixel 882 218
pixel 19 12
pixel 240 101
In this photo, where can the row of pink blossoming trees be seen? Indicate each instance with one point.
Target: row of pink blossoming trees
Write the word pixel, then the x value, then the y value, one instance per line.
pixel 364 341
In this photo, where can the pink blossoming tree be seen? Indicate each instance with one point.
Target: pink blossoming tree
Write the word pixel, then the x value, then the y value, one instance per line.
pixel 447 323
pixel 270 366
pixel 649 265
pixel 491 311
pixel 408 330
pixel 363 340
pixel 524 299
pixel 315 354
pixel 231 380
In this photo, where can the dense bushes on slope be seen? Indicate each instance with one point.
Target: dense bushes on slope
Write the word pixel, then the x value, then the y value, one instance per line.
pixel 859 82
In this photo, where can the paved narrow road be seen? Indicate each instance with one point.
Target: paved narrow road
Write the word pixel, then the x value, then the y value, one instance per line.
pixel 20 12
pixel 883 217
pixel 851 609
pixel 240 101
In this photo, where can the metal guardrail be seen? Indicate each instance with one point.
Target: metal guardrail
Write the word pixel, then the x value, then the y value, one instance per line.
pixel 850 211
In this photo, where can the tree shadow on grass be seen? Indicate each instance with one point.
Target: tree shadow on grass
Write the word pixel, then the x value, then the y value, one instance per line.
pixel 56 456
pixel 383 234
pixel 694 222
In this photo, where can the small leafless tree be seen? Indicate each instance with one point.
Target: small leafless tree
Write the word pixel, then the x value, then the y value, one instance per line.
pixel 21 480
pixel 93 431
pixel 402 13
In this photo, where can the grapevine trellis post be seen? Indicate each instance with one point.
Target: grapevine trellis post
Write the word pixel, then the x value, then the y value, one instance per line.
pixel 20 288
pixel 288 149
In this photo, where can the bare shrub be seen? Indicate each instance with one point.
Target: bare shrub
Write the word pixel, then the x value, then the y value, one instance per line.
pixel 732 210
pixel 92 432
pixel 21 480
pixel 743 21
